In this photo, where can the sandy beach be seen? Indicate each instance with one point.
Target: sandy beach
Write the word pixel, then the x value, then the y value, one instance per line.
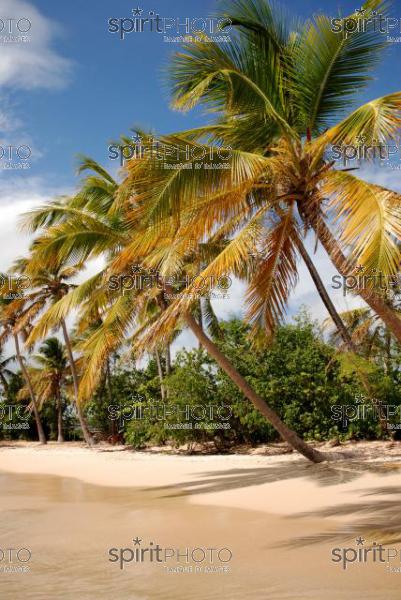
pixel 279 516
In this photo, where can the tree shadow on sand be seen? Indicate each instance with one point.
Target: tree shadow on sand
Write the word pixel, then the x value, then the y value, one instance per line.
pixel 376 519
pixel 323 474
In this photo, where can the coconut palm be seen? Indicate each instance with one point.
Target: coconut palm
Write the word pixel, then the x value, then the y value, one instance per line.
pixel 373 340
pixel 5 372
pixel 86 234
pixel 48 375
pixel 51 377
pixel 15 321
pixel 49 283
pixel 280 93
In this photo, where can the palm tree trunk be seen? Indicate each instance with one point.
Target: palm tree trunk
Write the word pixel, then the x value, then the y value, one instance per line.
pixel 376 303
pixel 39 426
pixel 168 359
pixel 160 373
pixel 60 435
pixel 168 364
pixel 339 323
pixel 4 383
pixel 341 328
pixel 200 320
pixel 110 392
pixel 387 359
pixel 287 434
pixel 86 433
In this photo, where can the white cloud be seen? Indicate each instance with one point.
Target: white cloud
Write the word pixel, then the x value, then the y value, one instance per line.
pixel 34 63
pixel 19 195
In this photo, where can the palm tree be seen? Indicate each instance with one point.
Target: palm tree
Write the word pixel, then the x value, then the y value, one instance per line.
pixel 5 372
pixel 373 340
pixel 280 95
pixel 15 321
pixel 119 231
pixel 50 377
pixel 50 283
pixel 127 311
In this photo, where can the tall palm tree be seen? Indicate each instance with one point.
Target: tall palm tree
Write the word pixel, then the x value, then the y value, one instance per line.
pixel 15 320
pixel 50 283
pixel 5 372
pixel 280 94
pixel 373 340
pixel 50 377
pixel 86 234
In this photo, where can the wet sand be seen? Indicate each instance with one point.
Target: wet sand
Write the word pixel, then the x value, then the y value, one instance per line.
pixel 279 516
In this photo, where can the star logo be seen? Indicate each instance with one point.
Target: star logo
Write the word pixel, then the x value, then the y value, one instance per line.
pixel 360 11
pixel 359 269
pixel 136 139
pixel 136 268
pixel 137 11
pixel 137 541
pixel 359 541
pixel 361 139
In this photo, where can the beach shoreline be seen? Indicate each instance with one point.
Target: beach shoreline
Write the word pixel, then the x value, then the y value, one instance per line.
pixel 281 516
pixel 283 484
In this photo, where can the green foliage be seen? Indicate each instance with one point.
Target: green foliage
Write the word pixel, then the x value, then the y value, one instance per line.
pixel 314 388
pixel 15 422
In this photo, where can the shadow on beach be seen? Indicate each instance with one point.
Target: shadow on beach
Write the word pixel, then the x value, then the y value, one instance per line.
pixel 374 517
pixel 322 474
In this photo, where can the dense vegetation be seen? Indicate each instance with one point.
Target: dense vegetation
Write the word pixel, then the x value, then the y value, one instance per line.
pixel 300 375
pixel 279 96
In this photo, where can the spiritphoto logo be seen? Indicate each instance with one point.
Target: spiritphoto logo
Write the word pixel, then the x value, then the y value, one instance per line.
pixel 15 157
pixel 388 286
pixel 343 414
pixel 14 30
pixel 13 417
pixel 381 154
pixel 14 560
pixel 140 278
pixel 172 156
pixel 185 560
pixel 363 21
pixel 173 29
pixel 174 416
pixel 361 554
pixel 13 286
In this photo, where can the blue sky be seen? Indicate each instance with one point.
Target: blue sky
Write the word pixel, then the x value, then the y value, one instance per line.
pixel 74 87
pixel 104 86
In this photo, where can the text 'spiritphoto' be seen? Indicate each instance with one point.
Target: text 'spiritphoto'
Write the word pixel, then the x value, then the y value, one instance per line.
pixel 200 300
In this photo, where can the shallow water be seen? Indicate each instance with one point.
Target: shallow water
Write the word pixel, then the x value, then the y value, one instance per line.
pixel 69 526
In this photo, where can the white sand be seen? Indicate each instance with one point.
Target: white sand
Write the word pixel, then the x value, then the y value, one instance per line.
pixel 281 516
pixel 290 483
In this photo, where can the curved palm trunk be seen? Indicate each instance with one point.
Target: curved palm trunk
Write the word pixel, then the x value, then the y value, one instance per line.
pixel 160 373
pixel 86 433
pixel 168 359
pixel 200 321
pixel 168 364
pixel 376 303
pixel 287 434
pixel 39 426
pixel 60 435
pixel 110 393
pixel 341 328
pixel 339 323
